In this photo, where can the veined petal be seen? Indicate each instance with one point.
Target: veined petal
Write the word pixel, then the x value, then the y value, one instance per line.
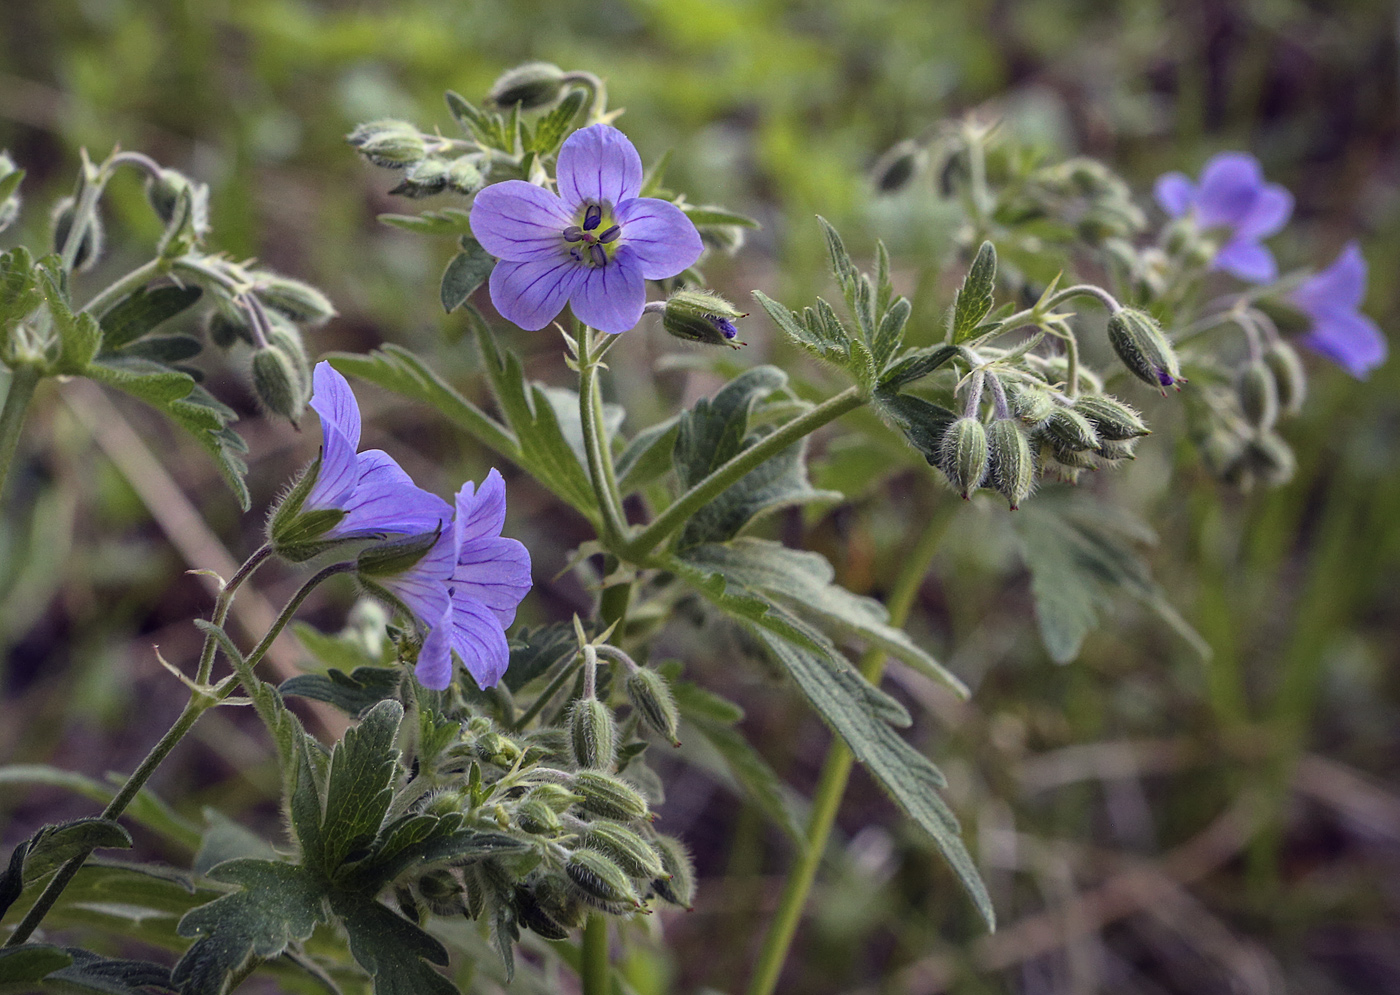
pixel 663 240
pixel 1272 208
pixel 1230 183
pixel 481 514
pixel 478 638
pixel 1341 286
pixel 611 297
pixel 496 572
pixel 387 500
pixel 338 473
pixel 531 293
pixel 1247 260
pixel 332 399
pixel 434 667
pixel 516 220
pixel 425 596
pixel 598 164
pixel 1351 340
pixel 1174 193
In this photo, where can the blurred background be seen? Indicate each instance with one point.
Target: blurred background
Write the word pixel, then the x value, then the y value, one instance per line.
pixel 1147 822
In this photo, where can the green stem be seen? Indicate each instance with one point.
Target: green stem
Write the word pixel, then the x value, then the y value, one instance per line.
pixel 598 93
pixel 722 477
pixel 221 607
pixel 566 674
pixel 94 181
pixel 595 973
pixel 23 379
pixel 1084 290
pixel 245 671
pixel 600 465
pixel 103 301
pixel 836 772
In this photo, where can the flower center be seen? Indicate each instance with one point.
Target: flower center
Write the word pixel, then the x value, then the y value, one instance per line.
pixel 593 241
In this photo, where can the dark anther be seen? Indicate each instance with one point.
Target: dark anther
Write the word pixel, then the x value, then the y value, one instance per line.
pixel 573 233
pixel 575 254
pixel 610 234
pixel 600 257
pixel 593 217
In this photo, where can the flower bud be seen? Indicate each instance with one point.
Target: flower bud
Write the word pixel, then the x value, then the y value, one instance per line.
pixel 391 144
pixel 608 796
pixel 10 177
pixel 963 455
pixel 441 892
pixel 1258 395
pixel 556 796
pixel 90 248
pixel 696 316
pixel 678 887
pixel 464 175
pixel 1141 345
pixel 894 170
pixel 650 695
pixel 1114 450
pixel 277 384
pixel 163 192
pixel 1270 458
pixel 593 734
pixel 625 848
pixel 1012 467
pixel 531 85
pixel 1068 429
pixel 228 326
pixel 1031 402
pixel 534 815
pixel 283 335
pixel 556 899
pixel 599 878
pixel 297 300
pixel 1289 378
pixel 423 179
pixel 1110 417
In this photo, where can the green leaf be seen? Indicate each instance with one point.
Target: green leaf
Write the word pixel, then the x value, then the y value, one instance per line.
pixel 810 335
pixel 655 177
pixel 467 271
pixel 30 962
pixel 708 715
pixel 79 335
pixel 648 456
pixel 889 334
pixel 708 214
pixel 566 413
pixel 922 422
pixel 352 693
pixel 19 290
pixel 841 266
pixel 535 652
pixel 713 431
pixel 166 349
pixel 551 128
pixel 279 904
pixel 449 221
pixel 359 787
pixel 917 364
pixel 345 650
pixel 397 370
pixel 9 183
pixel 53 845
pixel 145 810
pixel 975 298
pixel 227 840
pixel 90 972
pixel 393 950
pixel 140 312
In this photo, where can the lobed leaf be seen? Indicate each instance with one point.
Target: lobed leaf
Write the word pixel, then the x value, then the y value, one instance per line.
pixel 352 693
pixel 974 300
pixel 142 311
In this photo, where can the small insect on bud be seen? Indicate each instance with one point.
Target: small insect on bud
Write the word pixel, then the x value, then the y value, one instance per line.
pixel 650 695
pixel 696 316
pixel 10 177
pixel 90 247
pixel 678 887
pixel 297 300
pixel 531 85
pixel 963 456
pixel 625 848
pixel 1258 395
pixel 593 734
pixel 1289 378
pixel 598 878
pixel 610 797
pixel 1143 348
pixel 391 144
pixel 277 383
pixel 1111 418
pixel 894 170
pixel 1068 429
pixel 1012 467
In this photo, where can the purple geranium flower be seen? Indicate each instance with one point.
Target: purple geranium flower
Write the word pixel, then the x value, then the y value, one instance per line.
pixel 592 246
pixel 465 589
pixel 1332 299
pixel 1232 195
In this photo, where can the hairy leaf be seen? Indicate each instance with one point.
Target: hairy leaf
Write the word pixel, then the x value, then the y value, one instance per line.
pixel 352 693
pixel 19 289
pixel 706 214
pixel 140 312
pixel 648 456
pixel 535 652
pixel 713 431
pixel 552 127
pixel 922 422
pixel 915 365
pixel 90 972
pixel 975 298
pixel 394 951
pixel 807 331
pixel 467 271
pixel 79 335
pixel 359 787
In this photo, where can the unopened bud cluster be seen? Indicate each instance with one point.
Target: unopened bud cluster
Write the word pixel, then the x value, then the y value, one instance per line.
pixel 1235 427
pixel 430 165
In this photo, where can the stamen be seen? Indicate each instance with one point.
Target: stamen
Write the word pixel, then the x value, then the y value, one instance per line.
pixel 593 217
pixel 600 257
pixel 610 234
pixel 573 233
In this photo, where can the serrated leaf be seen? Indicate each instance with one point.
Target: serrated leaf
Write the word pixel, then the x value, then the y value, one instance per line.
pixel 141 312
pixel 708 214
pixel 473 120
pixel 814 340
pixel 889 334
pixel 841 266
pixel 279 904
pixel 359 787
pixel 79 335
pixel 29 962
pixel 551 128
pixel 449 221
pixel 394 951
pixel 975 298
pixel 647 456
pixel 467 271
pixel 19 291
pixel 922 422
pixel 535 652
pixel 352 693
pixel 916 364
pixel 713 431
pixel 53 845
pixel 90 972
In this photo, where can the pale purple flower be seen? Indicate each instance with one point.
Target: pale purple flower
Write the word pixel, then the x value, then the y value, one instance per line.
pixel 592 246
pixel 1233 196
pixel 1332 299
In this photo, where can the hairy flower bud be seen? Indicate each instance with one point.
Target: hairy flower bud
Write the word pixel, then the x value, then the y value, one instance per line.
pixel 1258 395
pixel 464 175
pixel 1070 430
pixel 423 179
pixel 1141 345
pixel 533 916
pixel 534 815
pixel 1270 458
pixel 391 144
pixel 296 299
pixel 608 796
pixel 1114 450
pixel 894 170
pixel 1012 467
pixel 10 177
pixel 696 316
pixel 963 455
pixel 163 192
pixel 625 848
pixel 599 878
pixel 1289 378
pixel 650 695
pixel 1110 417
pixel 90 247
pixel 277 384
pixel 531 85
pixel 678 887
pixel 556 796
pixel 556 899
pixel 1031 403
pixel 593 734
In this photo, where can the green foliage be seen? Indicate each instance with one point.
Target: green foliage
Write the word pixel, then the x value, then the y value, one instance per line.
pixel 974 300
pixel 467 271
pixel 352 693
pixel 139 313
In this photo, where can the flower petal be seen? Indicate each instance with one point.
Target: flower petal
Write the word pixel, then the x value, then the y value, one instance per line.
pixel 482 514
pixel 332 399
pixel 1247 260
pixel 659 234
pixel 530 294
pixel 1341 286
pixel 1230 183
pixel 496 572
pixel 478 638
pixel 598 164
pixel 337 474
pixel 517 220
pixel 611 297
pixel 387 500
pixel 426 597
pixel 1352 341
pixel 1272 208
pixel 1174 193
pixel 434 667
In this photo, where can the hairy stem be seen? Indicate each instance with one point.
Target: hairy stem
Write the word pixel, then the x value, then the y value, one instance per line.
pixel 836 772
pixel 23 379
pixel 221 608
pixel 600 464
pixel 595 972
pixel 103 300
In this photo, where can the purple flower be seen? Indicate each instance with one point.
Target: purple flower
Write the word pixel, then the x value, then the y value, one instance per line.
pixel 465 589
pixel 1232 195
pixel 1332 299
pixel 592 246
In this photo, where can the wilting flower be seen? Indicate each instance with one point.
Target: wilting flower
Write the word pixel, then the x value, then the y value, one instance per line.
pixel 592 246
pixel 1332 299
pixel 1233 196
pixel 464 589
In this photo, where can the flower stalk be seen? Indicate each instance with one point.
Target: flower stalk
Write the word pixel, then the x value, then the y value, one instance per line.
pixel 23 379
